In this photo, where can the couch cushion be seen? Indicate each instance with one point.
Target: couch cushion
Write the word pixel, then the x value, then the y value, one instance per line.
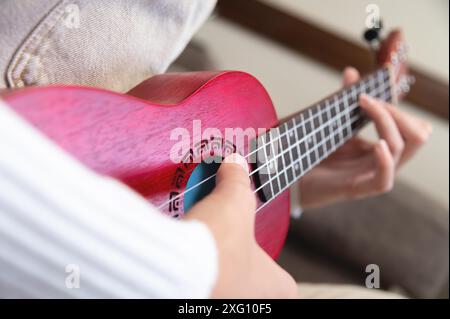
pixel 404 232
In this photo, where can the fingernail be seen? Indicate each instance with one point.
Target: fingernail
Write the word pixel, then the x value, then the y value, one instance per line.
pixel 238 159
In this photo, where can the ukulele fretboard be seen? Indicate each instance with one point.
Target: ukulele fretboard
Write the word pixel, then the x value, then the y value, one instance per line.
pixel 287 152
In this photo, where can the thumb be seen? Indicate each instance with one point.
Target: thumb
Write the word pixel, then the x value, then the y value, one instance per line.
pixel 233 192
pixel 233 183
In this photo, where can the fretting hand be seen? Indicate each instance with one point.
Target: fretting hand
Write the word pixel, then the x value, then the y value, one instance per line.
pixel 361 168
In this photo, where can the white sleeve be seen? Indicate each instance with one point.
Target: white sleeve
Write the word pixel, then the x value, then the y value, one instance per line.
pixel 57 216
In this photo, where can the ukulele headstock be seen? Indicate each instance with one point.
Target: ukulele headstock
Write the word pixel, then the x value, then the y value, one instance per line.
pixel 392 53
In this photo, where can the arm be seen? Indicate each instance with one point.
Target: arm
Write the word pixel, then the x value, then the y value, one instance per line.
pixel 56 213
pixel 245 270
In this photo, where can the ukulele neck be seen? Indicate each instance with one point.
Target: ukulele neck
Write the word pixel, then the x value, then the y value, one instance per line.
pixel 287 152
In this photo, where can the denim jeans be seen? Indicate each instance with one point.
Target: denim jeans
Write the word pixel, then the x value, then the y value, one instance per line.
pixel 110 44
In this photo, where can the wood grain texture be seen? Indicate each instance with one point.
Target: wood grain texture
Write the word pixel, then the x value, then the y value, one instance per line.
pixel 128 138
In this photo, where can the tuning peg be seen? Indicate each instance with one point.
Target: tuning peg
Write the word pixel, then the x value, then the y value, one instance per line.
pixel 373 35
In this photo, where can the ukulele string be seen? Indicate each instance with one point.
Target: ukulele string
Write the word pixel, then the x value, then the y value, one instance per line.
pixel 350 108
pixel 378 90
pixel 354 120
pixel 341 142
pixel 256 170
pixel 306 137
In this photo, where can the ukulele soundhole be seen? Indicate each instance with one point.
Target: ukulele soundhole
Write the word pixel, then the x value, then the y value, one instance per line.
pixel 197 187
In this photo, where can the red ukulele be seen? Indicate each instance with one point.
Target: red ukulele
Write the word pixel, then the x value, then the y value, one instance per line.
pixel 164 137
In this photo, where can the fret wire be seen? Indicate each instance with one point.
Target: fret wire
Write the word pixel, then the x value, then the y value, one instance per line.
pixel 265 156
pixel 283 159
pixel 275 156
pixel 305 136
pixel 322 134
pixel 302 141
pixel 310 165
pixel 280 191
pixel 355 98
pixel 298 146
pixel 313 136
pixel 290 152
pixel 341 135
pixel 318 134
pixel 347 115
pixel 330 119
pixel 335 117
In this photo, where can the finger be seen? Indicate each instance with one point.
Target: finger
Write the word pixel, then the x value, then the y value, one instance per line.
pixel 415 131
pixel 381 179
pixel 351 75
pixel 386 126
pixel 355 147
